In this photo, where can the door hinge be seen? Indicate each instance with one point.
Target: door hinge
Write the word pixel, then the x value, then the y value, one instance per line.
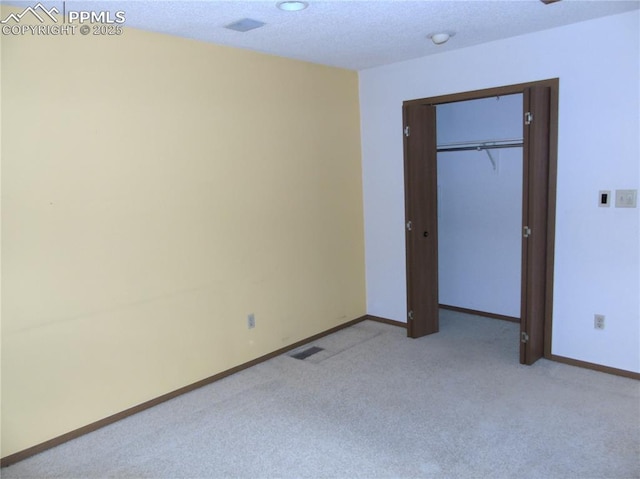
pixel 410 315
pixel 528 118
pixel 524 337
pixel 526 231
pixel 407 131
pixel 409 225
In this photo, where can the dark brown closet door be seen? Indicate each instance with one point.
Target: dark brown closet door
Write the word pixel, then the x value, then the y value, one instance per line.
pixel 534 222
pixel 421 217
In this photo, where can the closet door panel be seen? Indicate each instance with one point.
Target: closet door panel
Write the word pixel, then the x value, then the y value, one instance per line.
pixel 534 215
pixel 421 216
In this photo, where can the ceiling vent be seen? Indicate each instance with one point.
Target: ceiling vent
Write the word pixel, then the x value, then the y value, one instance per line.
pixel 245 25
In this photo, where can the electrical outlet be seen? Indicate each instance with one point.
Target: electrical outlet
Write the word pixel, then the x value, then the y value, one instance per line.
pixel 251 321
pixel 598 321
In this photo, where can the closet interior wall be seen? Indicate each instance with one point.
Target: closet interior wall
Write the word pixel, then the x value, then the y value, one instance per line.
pixel 480 206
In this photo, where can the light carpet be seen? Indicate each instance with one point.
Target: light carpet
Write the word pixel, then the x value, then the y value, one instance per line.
pixel 376 404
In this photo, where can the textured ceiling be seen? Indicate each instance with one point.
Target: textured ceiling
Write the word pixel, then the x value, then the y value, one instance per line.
pixel 353 34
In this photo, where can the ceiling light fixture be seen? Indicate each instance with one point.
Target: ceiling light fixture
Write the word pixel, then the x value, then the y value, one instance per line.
pixel 440 38
pixel 292 6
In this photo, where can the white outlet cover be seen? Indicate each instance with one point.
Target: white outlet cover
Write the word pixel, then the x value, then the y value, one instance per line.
pixel 598 321
pixel 626 198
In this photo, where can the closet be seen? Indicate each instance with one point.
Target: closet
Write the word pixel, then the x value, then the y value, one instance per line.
pixel 479 181
pixel 472 161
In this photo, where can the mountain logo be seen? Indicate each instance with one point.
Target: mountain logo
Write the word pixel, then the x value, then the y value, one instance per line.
pixel 38 11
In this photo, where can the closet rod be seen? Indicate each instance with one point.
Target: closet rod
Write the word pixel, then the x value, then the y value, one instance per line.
pixel 488 145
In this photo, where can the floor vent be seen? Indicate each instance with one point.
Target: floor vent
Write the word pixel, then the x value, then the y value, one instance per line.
pixel 307 352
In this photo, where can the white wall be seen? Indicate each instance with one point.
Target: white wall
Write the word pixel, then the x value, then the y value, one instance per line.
pixel 597 249
pixel 480 207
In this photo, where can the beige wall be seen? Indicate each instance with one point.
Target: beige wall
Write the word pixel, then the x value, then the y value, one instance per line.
pixel 155 191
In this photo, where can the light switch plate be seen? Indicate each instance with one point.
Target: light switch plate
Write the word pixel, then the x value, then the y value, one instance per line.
pixel 626 198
